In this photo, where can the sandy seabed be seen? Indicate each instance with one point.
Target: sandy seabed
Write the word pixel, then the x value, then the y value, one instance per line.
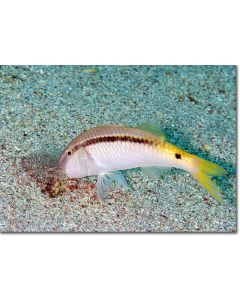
pixel 43 107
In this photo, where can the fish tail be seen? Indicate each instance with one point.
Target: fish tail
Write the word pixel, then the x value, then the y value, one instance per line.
pixel 202 170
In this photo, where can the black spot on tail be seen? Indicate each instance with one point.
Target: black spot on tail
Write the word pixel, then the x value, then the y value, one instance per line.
pixel 178 156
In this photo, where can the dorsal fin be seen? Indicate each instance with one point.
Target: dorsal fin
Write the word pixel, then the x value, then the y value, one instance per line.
pixel 153 129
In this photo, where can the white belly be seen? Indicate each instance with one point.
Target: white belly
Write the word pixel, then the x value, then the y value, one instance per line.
pixel 124 155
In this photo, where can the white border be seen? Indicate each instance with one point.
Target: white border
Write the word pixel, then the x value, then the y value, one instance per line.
pixel 107 266
pixel 119 32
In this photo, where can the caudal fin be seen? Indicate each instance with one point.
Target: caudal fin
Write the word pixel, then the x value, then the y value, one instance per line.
pixel 203 169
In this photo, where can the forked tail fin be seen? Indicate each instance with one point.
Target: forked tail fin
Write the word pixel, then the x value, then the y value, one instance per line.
pixel 203 169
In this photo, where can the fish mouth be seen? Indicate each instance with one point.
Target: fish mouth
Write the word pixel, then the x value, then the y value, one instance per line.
pixel 62 161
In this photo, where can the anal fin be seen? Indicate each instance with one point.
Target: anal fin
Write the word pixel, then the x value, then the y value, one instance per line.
pixel 155 172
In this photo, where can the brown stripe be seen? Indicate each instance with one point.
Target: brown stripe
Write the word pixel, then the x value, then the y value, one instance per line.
pixel 105 139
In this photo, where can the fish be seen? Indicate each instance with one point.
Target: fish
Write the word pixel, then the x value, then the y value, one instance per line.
pixel 106 150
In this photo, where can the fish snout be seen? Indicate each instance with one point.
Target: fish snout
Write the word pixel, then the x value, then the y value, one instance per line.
pixel 62 161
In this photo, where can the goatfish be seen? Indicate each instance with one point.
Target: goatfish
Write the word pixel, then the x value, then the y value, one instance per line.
pixel 107 149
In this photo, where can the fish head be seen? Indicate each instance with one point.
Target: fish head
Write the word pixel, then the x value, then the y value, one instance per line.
pixel 73 162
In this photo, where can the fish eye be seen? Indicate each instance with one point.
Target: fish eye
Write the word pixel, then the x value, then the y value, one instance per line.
pixel 69 152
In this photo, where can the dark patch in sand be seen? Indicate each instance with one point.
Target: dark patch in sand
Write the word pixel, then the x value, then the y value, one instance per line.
pixel 43 170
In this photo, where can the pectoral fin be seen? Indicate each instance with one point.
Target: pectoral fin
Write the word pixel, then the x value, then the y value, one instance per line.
pixel 106 179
